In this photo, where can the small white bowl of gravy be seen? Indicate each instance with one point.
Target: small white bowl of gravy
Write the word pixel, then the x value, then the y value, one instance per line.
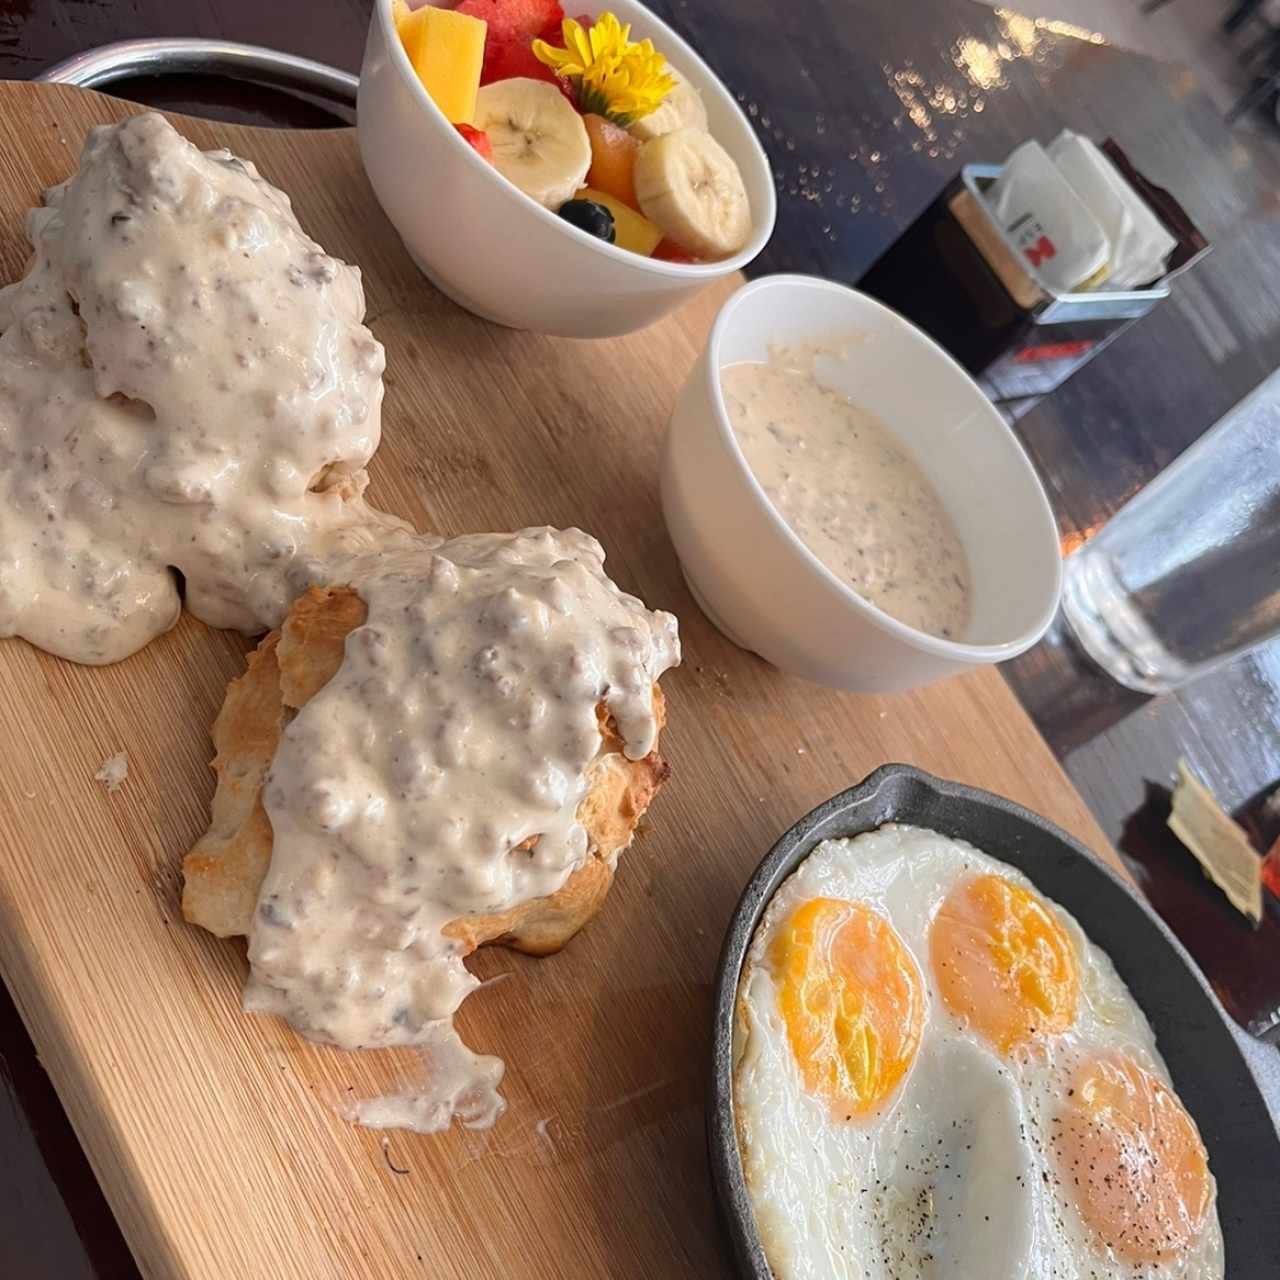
pixel 846 502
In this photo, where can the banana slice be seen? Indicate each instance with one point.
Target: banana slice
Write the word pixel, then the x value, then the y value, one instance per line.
pixel 682 108
pixel 690 186
pixel 539 141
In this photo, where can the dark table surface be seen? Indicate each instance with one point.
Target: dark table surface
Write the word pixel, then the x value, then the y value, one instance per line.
pixel 866 108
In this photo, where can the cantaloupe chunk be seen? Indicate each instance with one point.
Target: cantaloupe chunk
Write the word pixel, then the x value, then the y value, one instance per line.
pixel 447 52
pixel 613 159
pixel 400 11
pixel 631 230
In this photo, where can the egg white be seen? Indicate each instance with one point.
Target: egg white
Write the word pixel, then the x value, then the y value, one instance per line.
pixel 954 1177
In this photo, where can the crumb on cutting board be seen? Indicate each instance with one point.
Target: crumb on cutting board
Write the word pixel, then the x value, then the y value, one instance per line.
pixel 114 771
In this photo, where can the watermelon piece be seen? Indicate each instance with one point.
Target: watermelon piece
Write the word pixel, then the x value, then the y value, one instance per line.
pixel 507 59
pixel 513 27
pixel 511 59
pixel 553 32
pixel 509 19
pixel 478 139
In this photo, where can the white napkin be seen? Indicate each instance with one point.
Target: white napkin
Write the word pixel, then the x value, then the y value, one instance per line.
pixel 1140 245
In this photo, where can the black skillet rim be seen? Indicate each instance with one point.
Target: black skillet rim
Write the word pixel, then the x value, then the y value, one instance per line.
pixel 1192 1029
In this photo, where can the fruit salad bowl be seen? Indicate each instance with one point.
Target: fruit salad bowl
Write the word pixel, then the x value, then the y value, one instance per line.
pixel 498 251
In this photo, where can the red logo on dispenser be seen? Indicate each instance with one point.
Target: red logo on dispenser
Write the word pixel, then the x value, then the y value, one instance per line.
pixel 1041 251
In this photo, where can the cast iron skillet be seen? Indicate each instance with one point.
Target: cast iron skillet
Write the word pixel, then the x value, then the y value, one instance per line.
pixel 1191 1028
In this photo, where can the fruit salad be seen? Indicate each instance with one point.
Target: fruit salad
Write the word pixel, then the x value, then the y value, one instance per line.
pixel 591 124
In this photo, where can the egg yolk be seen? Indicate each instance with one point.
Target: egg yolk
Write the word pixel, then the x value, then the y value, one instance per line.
pixel 1135 1160
pixel 852 1000
pixel 1003 963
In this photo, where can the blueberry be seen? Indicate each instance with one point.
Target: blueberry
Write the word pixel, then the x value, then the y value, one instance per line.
pixel 590 217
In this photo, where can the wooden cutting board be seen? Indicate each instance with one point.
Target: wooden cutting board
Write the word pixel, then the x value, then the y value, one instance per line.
pixel 217 1136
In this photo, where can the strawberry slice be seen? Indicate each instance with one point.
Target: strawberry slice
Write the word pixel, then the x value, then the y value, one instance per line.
pixel 478 139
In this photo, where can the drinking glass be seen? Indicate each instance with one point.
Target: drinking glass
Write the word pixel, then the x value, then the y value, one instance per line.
pixel 1187 574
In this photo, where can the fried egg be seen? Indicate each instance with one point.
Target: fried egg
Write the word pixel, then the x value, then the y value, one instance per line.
pixel 937 1074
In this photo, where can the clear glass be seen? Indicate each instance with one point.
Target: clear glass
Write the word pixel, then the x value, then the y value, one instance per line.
pixel 1187 574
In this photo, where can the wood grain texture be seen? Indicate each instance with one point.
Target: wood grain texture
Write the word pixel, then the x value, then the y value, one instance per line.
pixel 218 1137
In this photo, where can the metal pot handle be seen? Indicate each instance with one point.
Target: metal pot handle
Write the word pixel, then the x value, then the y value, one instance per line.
pixel 250 62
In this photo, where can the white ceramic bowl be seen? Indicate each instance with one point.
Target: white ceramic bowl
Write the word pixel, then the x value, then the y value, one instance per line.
pixel 502 255
pixel 763 587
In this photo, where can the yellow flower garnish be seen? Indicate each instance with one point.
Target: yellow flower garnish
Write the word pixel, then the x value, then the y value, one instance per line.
pixel 616 78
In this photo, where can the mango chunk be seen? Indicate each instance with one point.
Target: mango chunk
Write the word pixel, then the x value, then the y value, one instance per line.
pixel 613 159
pixel 447 51
pixel 631 230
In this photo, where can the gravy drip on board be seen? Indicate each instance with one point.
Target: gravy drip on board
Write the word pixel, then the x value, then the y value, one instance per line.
pixel 461 724
pixel 185 383
pixel 849 491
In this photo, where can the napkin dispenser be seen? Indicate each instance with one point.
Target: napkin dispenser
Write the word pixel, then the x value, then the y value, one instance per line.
pixel 957 274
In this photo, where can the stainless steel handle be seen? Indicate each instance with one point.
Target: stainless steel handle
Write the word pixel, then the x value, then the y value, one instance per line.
pixel 214 57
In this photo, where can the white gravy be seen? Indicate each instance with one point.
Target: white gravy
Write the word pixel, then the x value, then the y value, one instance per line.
pixel 462 722
pixel 850 491
pixel 185 383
